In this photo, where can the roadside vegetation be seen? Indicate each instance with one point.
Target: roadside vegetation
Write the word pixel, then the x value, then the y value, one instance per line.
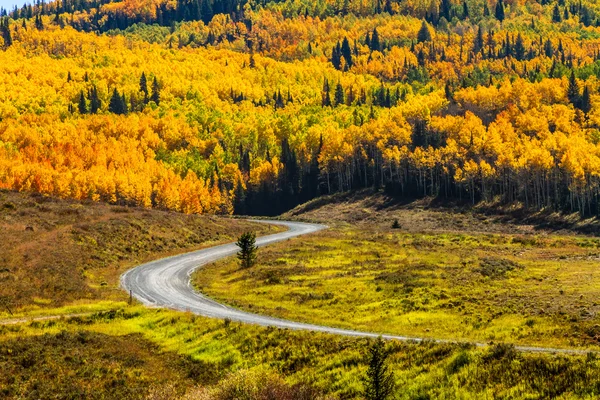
pixel 60 252
pixel 165 354
pixel 458 282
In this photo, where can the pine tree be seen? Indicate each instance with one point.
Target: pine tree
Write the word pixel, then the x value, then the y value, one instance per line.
pixel 336 59
pixel 388 7
pixel 155 92
pixel 573 90
pixel 424 35
pixel 478 42
pixel 346 52
pixel 379 381
pixel 124 104
pixel 519 48
pixel 499 13
pixel 144 87
pixel 548 50
pixel 552 69
pixel 248 250
pixel 445 9
pixel 6 35
pixel 465 10
pixel 95 103
pixel 116 105
pixel 39 24
pixel 585 102
pixel 82 106
pixel 556 14
pixel 326 97
pixel 339 94
pixel 375 44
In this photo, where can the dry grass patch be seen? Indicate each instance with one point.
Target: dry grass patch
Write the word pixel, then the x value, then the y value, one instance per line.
pixel 54 252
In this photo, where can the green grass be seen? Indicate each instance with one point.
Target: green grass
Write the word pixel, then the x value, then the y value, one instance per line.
pixel 522 289
pixel 191 350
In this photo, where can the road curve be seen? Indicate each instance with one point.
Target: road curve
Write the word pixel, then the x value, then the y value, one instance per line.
pixel 166 283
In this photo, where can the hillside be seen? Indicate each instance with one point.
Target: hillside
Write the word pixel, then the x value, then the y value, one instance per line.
pixel 58 252
pixel 229 106
pixel 375 209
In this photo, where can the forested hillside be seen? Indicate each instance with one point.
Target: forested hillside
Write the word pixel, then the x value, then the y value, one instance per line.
pixel 251 107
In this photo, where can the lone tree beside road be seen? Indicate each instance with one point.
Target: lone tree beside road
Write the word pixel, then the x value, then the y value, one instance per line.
pixel 247 253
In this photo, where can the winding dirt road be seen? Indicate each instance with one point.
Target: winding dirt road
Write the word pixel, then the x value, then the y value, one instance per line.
pixel 166 283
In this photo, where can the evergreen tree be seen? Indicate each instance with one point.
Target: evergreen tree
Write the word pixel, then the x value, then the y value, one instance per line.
pixel 585 17
pixel 388 7
pixel 375 44
pixel 573 90
pixel 336 58
pixel 339 94
pixel 248 250
pixel 424 35
pixel 144 87
pixel 95 103
pixel 379 380
pixel 116 105
pixel 326 97
pixel 346 52
pixel 499 11
pixel 379 98
pixel 556 14
pixel 551 73
pixel 155 92
pixel 39 24
pixel 586 102
pixel 124 104
pixel 478 42
pixel 548 50
pixel 465 10
pixel 519 48
pixel 82 106
pixel 6 35
pixel 446 9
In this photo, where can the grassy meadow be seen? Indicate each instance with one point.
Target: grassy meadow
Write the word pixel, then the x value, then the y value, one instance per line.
pixel 539 289
pixel 137 353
